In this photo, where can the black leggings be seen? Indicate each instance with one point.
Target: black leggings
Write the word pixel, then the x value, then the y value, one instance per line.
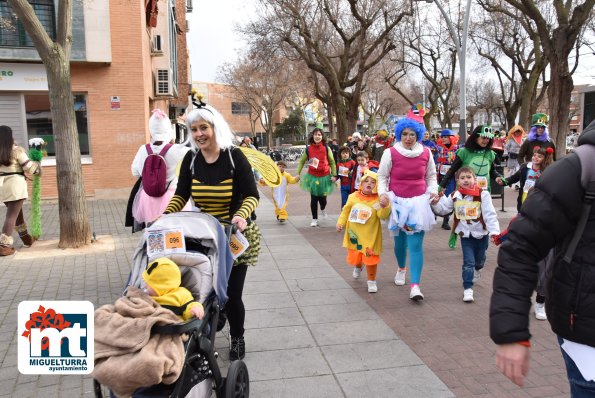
pixel 314 200
pixel 234 308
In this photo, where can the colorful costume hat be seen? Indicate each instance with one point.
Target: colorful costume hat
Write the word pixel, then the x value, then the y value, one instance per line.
pixel 369 173
pixel 540 119
pixel 447 133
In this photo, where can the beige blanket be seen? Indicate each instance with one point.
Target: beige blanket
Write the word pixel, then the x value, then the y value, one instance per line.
pixel 126 355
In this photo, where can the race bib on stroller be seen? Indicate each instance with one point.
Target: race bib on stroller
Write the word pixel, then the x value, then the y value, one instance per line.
pixel 313 163
pixel 343 171
pixel 482 182
pixel 360 214
pixel 163 242
pixel 466 210
pixel 238 244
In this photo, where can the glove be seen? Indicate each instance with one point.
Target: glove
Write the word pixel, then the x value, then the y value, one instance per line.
pixel 452 241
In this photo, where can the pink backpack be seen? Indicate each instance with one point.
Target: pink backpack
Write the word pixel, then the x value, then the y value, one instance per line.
pixel 154 176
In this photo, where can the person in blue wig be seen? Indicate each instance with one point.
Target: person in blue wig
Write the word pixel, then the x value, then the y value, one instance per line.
pixel 407 181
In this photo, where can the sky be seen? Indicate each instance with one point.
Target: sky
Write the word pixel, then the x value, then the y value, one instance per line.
pixel 212 40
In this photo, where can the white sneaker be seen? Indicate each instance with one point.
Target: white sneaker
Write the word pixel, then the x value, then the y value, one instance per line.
pixel 324 213
pixel 356 272
pixel 476 276
pixel 468 295
pixel 415 294
pixel 540 311
pixel 372 287
pixel 314 223
pixel 400 277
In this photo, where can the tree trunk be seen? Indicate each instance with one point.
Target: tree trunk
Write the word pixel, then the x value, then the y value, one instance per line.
pixel 559 94
pixel 72 205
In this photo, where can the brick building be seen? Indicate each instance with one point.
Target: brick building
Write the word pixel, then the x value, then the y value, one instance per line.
pixel 127 58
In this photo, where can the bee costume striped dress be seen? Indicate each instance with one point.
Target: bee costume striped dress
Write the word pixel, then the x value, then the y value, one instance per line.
pixel 223 189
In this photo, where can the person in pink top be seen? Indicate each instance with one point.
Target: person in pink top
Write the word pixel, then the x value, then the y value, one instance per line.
pixel 407 181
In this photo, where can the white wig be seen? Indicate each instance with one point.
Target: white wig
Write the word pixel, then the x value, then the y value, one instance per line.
pixel 223 134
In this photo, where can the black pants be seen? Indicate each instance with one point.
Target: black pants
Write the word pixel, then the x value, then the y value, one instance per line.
pixel 234 308
pixel 314 200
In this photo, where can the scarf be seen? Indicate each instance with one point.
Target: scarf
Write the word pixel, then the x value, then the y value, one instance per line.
pixel 473 191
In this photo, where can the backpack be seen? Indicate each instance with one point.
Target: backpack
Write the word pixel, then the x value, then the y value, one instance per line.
pixel 586 155
pixel 154 175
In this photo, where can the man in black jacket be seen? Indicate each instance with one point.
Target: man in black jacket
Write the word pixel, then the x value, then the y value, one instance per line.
pixel 548 220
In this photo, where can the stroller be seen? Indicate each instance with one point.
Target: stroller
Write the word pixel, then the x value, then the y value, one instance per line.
pixel 206 240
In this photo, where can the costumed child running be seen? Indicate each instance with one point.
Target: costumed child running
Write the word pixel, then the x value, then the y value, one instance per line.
pixel 363 233
pixel 345 167
pixel 321 175
pixel 280 194
pixel 474 219
pixel 527 175
pixel 163 279
pixel 446 151
pixel 358 170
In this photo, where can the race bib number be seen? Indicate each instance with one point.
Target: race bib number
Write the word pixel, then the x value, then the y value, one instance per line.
pixel 466 210
pixel 164 242
pixel 529 184
pixel 313 163
pixel 238 244
pixel 360 214
pixel 444 168
pixel 343 171
pixel 482 182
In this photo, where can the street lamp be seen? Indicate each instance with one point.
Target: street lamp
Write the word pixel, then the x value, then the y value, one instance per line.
pixel 461 51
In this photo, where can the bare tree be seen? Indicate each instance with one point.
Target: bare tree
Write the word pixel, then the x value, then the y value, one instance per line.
pixel 559 38
pixel 429 48
pixel 378 100
pixel 339 40
pixel 264 84
pixel 55 55
pixel 510 45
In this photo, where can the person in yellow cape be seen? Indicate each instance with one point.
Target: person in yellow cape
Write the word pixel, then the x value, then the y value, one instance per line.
pixel 360 218
pixel 280 193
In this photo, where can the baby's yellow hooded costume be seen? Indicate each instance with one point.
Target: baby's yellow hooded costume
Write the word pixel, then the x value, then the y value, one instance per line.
pixel 361 217
pixel 164 277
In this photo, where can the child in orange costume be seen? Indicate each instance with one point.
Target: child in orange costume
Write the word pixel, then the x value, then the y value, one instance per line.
pixel 360 218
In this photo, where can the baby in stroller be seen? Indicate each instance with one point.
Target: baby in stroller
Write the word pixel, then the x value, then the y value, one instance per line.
pixel 163 278
pixel 181 357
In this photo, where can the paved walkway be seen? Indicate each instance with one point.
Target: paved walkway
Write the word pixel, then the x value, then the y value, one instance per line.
pixel 309 334
pixel 450 336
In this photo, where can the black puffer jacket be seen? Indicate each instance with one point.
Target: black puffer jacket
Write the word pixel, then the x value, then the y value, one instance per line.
pixel 548 219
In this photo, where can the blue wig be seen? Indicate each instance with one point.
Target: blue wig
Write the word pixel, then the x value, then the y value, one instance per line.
pixel 407 123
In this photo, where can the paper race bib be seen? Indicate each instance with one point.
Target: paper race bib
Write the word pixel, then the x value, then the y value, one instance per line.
pixel 343 171
pixel 529 184
pixel 466 210
pixel 313 163
pixel 360 214
pixel 444 168
pixel 164 242
pixel 482 182
pixel 238 244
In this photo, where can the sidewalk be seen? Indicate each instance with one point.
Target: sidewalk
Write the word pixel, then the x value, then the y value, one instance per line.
pixel 449 336
pixel 308 334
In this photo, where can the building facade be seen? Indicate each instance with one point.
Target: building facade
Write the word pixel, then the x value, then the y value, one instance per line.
pixel 126 60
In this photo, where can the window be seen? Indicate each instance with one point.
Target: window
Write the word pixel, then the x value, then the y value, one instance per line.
pixel 12 32
pixel 39 120
pixel 240 108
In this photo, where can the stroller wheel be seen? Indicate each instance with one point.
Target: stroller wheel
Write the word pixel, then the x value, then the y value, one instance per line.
pixel 237 383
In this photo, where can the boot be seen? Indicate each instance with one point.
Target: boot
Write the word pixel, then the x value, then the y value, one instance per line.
pixel 237 349
pixel 24 234
pixel 445 223
pixel 6 248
